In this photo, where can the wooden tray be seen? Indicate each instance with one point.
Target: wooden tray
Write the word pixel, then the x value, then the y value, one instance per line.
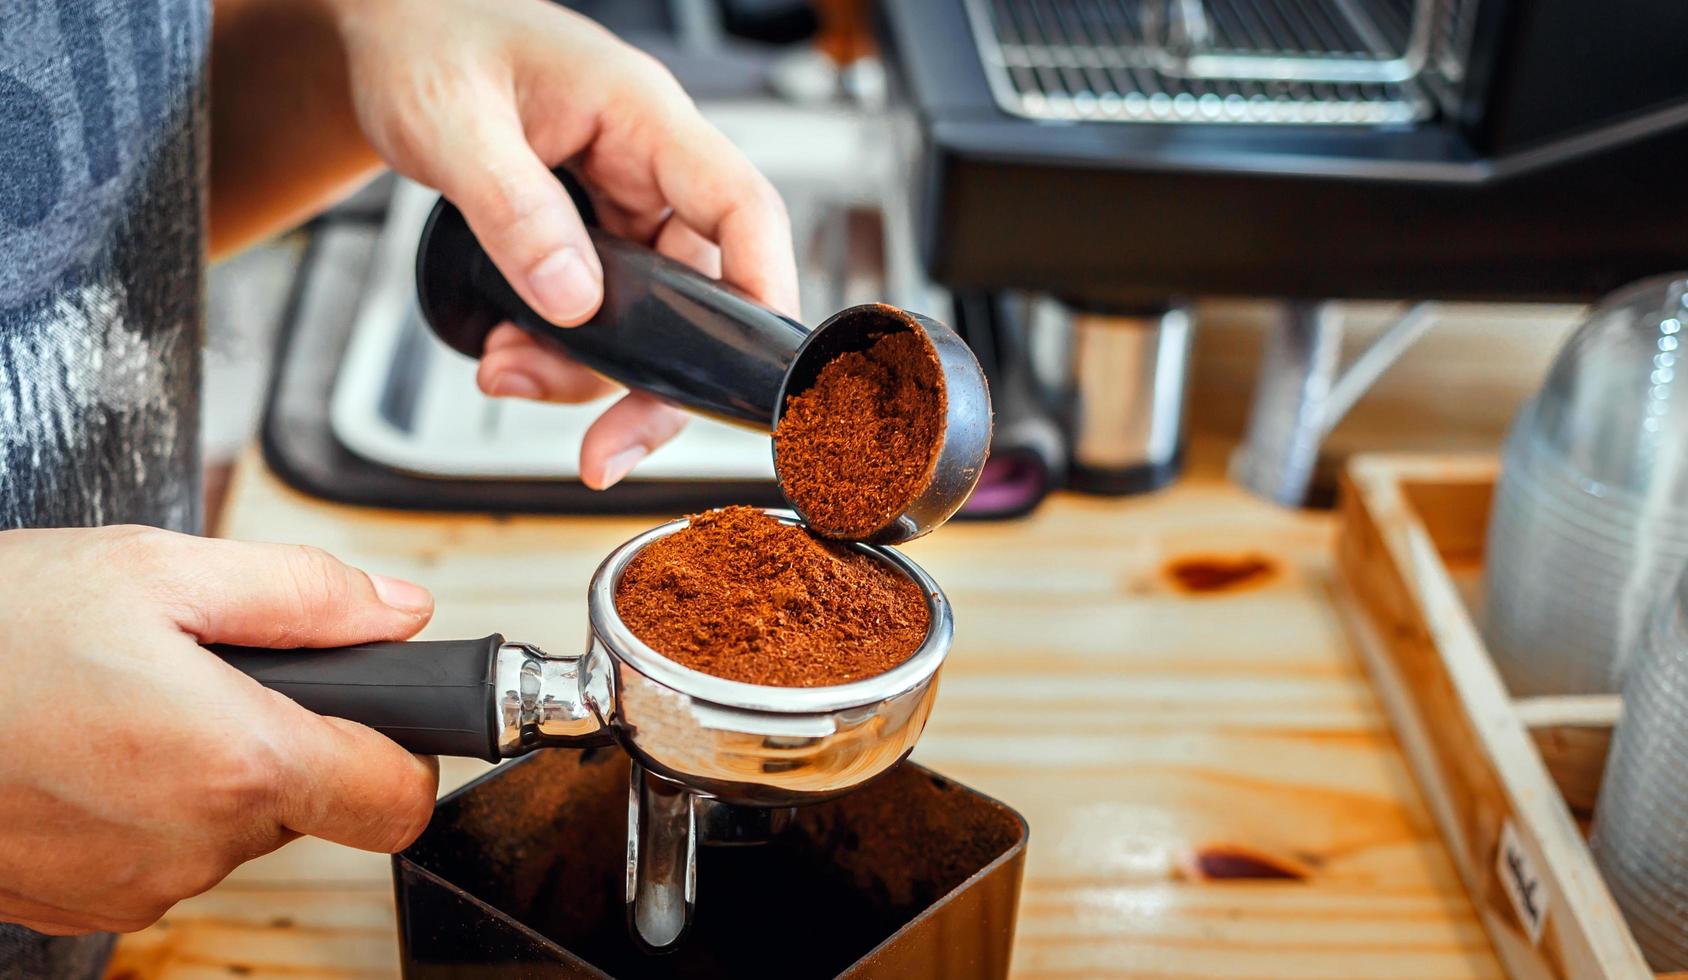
pixel 1511 782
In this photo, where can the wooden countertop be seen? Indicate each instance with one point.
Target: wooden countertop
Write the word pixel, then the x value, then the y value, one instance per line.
pixel 1145 731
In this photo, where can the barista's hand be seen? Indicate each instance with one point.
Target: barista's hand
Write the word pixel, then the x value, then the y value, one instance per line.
pixel 480 98
pixel 136 768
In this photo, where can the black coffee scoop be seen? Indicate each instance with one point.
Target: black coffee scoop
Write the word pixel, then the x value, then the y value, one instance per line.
pixel 666 329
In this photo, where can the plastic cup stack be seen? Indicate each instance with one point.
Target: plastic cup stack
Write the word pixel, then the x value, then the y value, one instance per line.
pixel 1589 525
pixel 1641 820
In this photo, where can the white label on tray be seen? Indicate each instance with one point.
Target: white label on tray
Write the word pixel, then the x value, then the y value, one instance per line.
pixel 1518 876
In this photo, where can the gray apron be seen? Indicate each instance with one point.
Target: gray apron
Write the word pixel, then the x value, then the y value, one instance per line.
pixel 102 262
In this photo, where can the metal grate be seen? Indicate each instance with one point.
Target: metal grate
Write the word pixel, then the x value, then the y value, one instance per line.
pixel 1105 60
pixel 1450 50
pixel 1327 28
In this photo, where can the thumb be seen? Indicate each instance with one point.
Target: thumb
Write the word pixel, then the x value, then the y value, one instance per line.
pixel 522 216
pixel 273 595
pixel 349 784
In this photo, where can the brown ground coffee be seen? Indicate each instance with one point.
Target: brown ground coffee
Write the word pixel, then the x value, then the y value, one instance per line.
pixel 742 596
pixel 859 445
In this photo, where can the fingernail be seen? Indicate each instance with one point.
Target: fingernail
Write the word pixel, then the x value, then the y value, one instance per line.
pixel 565 286
pixel 621 464
pixel 406 597
pixel 513 384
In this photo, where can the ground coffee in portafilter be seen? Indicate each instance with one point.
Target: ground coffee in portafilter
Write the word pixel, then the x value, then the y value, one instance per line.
pixel 858 446
pixel 743 596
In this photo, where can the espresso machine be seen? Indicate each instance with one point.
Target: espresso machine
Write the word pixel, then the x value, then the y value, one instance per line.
pixel 1120 157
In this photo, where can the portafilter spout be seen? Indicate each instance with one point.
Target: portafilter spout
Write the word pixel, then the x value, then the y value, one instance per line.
pixel 705 747
pixel 667 329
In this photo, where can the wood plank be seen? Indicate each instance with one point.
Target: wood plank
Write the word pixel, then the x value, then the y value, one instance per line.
pixel 265 932
pixel 1155 738
pixel 1573 735
pixel 1472 755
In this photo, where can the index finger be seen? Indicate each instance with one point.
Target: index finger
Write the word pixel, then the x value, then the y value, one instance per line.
pixel 720 194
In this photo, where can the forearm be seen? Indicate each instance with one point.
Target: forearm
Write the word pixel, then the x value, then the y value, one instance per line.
pixel 285 139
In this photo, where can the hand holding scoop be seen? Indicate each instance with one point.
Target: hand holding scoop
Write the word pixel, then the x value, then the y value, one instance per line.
pixel 667 329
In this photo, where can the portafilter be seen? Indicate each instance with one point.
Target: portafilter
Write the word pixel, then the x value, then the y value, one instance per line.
pixel 667 329
pixel 716 760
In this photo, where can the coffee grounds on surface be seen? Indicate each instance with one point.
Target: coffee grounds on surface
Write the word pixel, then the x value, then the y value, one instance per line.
pixel 856 448
pixel 740 595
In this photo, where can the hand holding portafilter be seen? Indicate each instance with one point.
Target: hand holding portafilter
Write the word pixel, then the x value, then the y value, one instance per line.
pixel 668 330
pixel 704 746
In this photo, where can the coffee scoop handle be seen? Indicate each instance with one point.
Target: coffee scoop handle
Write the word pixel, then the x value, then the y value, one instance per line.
pixel 431 697
pixel 664 328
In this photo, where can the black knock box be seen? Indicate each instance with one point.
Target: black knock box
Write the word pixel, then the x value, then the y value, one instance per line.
pixel 522 874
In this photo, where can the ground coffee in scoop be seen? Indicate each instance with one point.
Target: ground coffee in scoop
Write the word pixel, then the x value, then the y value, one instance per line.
pixel 740 595
pixel 856 447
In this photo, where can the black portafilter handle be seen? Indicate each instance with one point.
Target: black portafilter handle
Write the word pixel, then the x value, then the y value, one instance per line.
pixel 433 697
pixel 663 328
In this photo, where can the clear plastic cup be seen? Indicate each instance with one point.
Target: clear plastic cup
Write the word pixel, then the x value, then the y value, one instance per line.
pixel 1640 839
pixel 1590 519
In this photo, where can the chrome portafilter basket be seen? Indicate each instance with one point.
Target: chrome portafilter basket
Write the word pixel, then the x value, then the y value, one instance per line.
pixel 716 761
pixel 707 749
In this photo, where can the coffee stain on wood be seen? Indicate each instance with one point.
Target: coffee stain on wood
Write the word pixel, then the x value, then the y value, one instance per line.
pixel 1201 574
pixel 1230 862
